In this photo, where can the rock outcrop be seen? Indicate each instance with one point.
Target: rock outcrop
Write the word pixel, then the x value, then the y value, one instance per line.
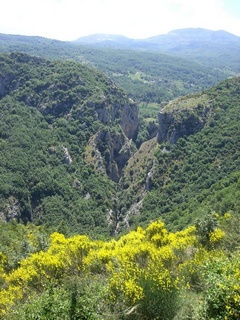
pixel 86 122
pixel 182 117
pixel 125 113
pixel 11 209
pixel 115 149
pixel 129 120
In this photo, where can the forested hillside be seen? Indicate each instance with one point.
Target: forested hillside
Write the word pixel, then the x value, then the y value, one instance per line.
pixel 49 112
pixel 215 49
pixel 146 75
pixel 72 153
pixel 112 209
pixel 196 162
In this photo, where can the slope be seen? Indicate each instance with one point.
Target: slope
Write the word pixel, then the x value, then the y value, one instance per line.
pixel 211 48
pixel 69 160
pixel 49 112
pixel 196 168
pixel 145 75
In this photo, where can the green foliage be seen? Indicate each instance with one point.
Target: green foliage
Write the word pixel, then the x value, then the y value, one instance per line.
pixel 18 242
pixel 200 173
pixel 145 274
pixel 159 303
pixel 50 110
pixel 52 304
pixel 205 227
pixel 47 108
pixel 75 299
pixel 148 75
pixel 151 76
pixel 222 289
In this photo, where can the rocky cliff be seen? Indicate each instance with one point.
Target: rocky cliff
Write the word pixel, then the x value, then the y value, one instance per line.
pixel 120 111
pixel 183 117
pixel 115 149
pixel 59 120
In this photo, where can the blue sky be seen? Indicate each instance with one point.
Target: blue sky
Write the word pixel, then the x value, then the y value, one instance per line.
pixel 71 19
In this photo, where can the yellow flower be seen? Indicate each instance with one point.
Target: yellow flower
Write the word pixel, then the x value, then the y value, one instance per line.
pixel 216 235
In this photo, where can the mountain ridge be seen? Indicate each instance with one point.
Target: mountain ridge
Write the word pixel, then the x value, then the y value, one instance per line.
pixel 186 34
pixel 146 75
pixel 210 48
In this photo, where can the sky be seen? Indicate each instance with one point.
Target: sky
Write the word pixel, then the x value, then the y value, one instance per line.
pixel 71 19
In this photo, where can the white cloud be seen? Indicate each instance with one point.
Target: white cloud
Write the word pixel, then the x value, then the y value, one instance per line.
pixel 70 19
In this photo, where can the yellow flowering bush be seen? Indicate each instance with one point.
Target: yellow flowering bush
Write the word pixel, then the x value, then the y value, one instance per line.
pixel 8 297
pixel 34 272
pixel 145 270
pixel 156 233
pixel 216 236
pixel 124 283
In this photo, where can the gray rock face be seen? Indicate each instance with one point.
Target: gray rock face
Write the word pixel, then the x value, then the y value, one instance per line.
pixel 129 120
pixel 67 156
pixel 11 210
pixel 115 149
pixel 127 113
pixel 115 145
pixel 171 129
pixel 177 123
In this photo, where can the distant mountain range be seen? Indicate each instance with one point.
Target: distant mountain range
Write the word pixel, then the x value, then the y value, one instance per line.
pixel 211 48
pixel 175 40
pixel 156 69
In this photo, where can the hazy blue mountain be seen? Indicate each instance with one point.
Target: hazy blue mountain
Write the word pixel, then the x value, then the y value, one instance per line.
pixel 192 37
pixel 106 39
pixel 176 39
pixel 213 48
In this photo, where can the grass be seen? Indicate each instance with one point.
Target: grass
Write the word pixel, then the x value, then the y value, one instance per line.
pixel 149 110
